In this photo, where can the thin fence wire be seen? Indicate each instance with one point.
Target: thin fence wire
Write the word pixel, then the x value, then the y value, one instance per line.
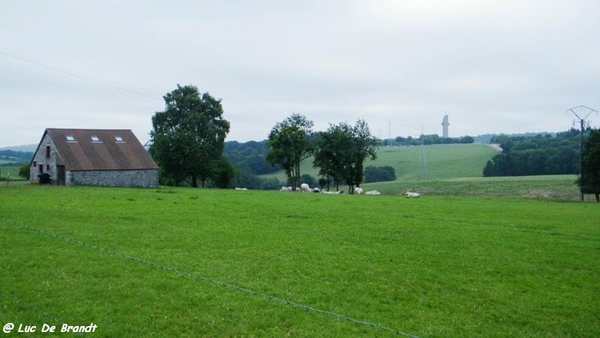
pixel 209 280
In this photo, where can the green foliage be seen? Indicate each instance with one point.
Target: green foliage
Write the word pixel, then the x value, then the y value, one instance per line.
pixel 379 174
pixel 222 172
pixel 427 140
pixel 11 156
pixel 250 157
pixel 590 176
pixel 289 144
pixel 188 136
pixel 535 155
pixel 341 151
pixel 189 263
pixel 24 171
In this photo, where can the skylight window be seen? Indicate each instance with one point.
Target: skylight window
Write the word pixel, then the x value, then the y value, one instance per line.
pixel 70 138
pixel 119 139
pixel 95 139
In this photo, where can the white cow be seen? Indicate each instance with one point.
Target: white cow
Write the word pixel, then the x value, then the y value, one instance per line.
pixel 358 191
pixel 241 189
pixel 285 189
pixel 305 187
pixel 412 194
pixel 373 193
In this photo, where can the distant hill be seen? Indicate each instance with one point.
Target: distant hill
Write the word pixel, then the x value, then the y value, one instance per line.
pixel 11 156
pixel 24 148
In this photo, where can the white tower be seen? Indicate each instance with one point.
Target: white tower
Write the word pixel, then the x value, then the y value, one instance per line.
pixel 445 124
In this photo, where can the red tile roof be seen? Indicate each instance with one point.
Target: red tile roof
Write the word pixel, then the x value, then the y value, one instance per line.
pixel 108 153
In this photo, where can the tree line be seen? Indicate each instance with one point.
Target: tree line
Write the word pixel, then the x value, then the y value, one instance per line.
pixel 426 140
pixel 15 156
pixel 188 143
pixel 544 154
pixel 339 152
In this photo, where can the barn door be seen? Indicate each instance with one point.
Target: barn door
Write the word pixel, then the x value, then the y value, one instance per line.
pixel 60 175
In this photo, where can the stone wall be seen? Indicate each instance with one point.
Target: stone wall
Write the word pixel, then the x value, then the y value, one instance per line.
pixel 114 178
pixel 48 163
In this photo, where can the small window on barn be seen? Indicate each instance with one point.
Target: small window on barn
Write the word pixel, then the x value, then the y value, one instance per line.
pixel 41 168
pixel 47 151
pixel 34 164
pixel 119 139
pixel 70 138
pixel 47 167
pixel 95 139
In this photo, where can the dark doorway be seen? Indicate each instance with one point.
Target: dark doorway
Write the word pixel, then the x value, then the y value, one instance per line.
pixel 60 175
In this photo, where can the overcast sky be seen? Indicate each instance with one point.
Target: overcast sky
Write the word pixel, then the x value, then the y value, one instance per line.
pixel 492 66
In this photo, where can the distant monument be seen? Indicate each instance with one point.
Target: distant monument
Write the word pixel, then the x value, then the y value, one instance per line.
pixel 445 124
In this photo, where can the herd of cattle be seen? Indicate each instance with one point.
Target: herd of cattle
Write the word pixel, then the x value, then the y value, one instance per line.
pixel 357 191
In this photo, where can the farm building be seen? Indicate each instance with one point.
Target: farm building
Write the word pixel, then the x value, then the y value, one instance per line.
pixel 103 157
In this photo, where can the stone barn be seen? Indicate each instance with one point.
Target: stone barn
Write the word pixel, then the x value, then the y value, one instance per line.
pixel 103 157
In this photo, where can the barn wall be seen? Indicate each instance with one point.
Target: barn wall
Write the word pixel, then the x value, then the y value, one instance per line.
pixel 114 178
pixel 48 163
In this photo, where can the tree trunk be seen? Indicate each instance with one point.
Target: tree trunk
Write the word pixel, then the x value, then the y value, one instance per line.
pixel 598 197
pixel 194 182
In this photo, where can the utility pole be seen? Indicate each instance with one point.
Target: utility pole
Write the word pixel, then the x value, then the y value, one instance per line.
pixel 582 121
pixel 422 159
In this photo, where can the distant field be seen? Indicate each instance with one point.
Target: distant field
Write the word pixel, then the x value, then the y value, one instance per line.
pixel 13 170
pixel 456 170
pixel 560 187
pixel 442 162
pixel 191 262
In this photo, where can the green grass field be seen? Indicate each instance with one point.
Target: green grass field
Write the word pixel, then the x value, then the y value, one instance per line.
pixel 191 262
pixel 445 161
pixel 12 170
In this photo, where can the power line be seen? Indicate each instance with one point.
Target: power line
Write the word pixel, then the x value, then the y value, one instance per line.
pixel 81 51
pixel 78 76
pixel 67 87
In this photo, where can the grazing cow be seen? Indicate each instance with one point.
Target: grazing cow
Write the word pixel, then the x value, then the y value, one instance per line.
pixel 358 191
pixel 285 189
pixel 373 193
pixel 305 187
pixel 241 189
pixel 412 194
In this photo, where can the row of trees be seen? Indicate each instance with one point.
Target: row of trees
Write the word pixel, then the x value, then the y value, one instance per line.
pixel 339 152
pixel 540 155
pixel 187 142
pixel 427 140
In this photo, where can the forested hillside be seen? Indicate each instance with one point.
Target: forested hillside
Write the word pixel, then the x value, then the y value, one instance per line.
pixel 10 156
pixel 536 155
pixel 249 161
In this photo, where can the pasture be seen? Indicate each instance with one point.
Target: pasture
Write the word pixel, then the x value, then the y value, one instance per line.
pixel 195 262
pixel 443 161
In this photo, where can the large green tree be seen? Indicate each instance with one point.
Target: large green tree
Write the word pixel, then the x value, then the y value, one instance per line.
pixel 289 144
pixel 332 153
pixel 364 147
pixel 589 182
pixel 342 150
pixel 188 136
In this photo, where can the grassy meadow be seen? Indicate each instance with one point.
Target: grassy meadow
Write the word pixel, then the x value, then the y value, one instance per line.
pixel 12 170
pixel 195 262
pixel 443 161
